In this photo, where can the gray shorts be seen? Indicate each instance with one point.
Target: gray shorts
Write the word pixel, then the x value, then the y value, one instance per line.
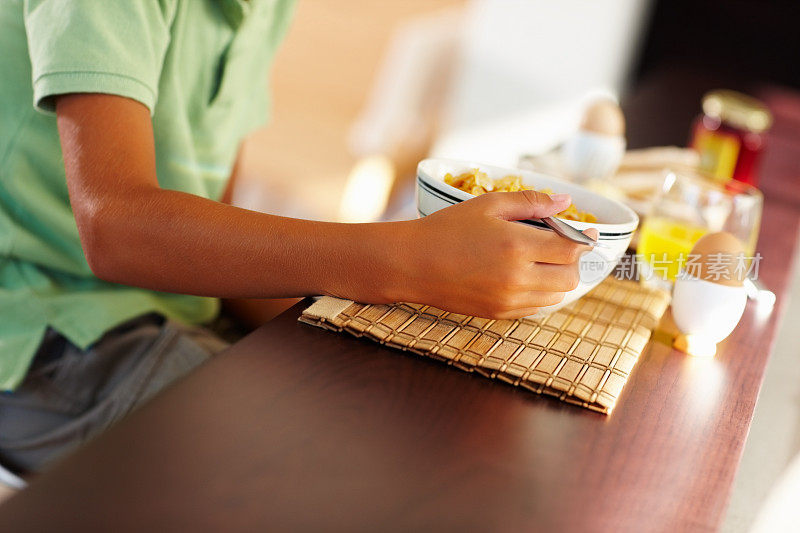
pixel 70 395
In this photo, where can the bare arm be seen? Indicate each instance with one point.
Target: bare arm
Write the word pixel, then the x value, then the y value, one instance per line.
pixel 468 258
pixel 251 312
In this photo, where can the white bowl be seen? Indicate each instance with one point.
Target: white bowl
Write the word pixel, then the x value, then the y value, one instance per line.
pixel 616 222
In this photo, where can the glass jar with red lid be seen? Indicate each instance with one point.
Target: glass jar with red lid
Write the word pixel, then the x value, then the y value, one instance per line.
pixel 730 135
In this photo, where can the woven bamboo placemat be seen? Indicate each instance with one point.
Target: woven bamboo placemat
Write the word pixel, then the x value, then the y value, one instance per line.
pixel 582 353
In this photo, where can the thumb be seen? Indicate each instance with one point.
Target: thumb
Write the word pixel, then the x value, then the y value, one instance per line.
pixel 592 232
pixel 522 205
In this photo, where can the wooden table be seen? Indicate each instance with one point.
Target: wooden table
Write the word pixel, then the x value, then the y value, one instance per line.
pixel 299 428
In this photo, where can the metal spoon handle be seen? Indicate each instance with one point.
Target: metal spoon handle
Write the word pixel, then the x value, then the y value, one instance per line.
pixel 568 232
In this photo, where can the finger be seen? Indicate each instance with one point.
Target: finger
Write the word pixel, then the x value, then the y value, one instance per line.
pixel 523 299
pixel 543 298
pixel 546 246
pixel 592 232
pixel 517 313
pixel 552 277
pixel 530 302
pixel 522 205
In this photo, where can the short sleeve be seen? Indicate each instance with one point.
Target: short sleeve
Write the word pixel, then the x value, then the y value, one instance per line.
pixel 109 46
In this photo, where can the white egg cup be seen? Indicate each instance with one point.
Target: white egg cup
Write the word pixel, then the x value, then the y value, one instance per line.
pixel 592 156
pixel 706 312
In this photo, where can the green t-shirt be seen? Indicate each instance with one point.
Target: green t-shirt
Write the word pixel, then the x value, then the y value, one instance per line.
pixel 200 66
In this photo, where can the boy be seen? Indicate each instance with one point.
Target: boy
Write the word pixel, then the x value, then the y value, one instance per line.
pixel 120 125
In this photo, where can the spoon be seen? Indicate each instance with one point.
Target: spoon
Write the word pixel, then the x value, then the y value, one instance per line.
pixel 568 232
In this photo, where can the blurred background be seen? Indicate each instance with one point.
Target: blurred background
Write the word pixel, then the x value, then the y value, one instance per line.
pixel 488 80
pixel 363 90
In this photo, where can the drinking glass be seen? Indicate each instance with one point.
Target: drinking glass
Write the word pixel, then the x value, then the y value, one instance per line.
pixel 689 206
